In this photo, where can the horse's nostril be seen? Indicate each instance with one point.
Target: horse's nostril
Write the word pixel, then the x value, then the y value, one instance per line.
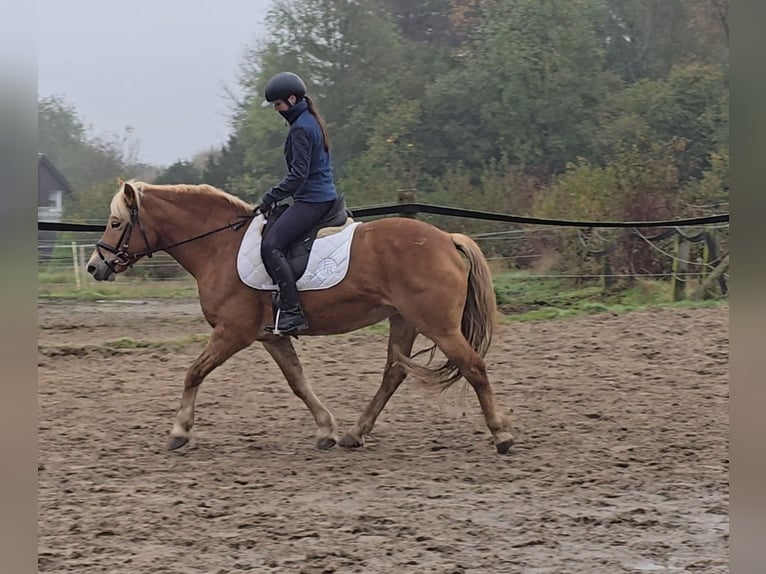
pixel 91 268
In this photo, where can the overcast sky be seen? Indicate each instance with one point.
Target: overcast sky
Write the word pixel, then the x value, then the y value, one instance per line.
pixel 158 66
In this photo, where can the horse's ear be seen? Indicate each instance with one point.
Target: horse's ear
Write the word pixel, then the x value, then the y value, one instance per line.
pixel 120 181
pixel 130 195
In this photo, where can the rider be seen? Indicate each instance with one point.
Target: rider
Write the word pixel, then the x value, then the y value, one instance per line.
pixel 309 181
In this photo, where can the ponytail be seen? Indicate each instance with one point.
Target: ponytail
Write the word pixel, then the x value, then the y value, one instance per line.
pixel 314 111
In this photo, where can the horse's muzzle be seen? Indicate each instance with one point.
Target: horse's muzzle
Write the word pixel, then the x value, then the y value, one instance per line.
pixel 100 270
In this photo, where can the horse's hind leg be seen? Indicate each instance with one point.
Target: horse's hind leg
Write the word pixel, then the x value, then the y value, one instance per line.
pixel 220 347
pixel 400 340
pixel 283 352
pixel 472 367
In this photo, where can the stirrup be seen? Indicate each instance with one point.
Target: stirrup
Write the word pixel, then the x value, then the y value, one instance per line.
pixel 294 331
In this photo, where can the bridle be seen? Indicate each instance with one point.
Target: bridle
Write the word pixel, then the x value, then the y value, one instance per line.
pixel 124 258
pixel 121 255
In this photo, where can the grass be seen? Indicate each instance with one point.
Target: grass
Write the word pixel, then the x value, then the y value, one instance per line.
pixel 520 296
pixel 49 287
pixel 526 297
pixel 124 344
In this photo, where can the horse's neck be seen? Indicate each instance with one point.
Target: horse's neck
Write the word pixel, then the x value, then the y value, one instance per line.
pixel 181 223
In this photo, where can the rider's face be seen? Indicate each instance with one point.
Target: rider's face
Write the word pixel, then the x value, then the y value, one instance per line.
pixel 281 106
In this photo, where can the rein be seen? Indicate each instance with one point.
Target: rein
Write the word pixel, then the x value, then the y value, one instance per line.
pixel 124 258
pixel 235 226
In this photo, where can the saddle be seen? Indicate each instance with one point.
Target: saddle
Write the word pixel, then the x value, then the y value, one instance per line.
pixel 298 252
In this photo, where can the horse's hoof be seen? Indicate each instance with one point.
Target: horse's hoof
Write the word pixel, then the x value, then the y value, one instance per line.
pixel 325 443
pixel 176 442
pixel 348 441
pixel 504 445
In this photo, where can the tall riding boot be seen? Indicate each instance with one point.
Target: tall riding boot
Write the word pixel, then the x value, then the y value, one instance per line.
pixel 290 319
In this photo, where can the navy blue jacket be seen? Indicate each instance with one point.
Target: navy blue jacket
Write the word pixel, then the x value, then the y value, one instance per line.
pixel 309 169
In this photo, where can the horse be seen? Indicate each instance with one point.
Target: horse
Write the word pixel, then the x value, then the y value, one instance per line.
pixel 424 280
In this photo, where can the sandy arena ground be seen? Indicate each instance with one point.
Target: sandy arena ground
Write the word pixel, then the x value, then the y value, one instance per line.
pixel 620 465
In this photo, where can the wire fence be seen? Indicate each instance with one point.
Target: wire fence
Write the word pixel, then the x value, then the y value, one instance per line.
pixel 62 258
pixel 530 248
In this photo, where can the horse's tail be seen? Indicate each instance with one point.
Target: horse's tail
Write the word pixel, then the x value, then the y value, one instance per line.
pixel 478 320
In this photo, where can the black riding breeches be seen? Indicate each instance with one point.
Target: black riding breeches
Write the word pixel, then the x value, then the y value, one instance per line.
pixel 297 219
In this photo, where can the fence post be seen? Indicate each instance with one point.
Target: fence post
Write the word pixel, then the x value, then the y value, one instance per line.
pixel 713 258
pixel 714 276
pixel 81 252
pixel 707 255
pixel 607 277
pixel 406 196
pixel 76 265
pixel 680 267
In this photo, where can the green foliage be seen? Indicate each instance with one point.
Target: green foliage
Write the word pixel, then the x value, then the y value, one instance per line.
pixel 357 67
pixel 545 64
pixel 62 137
pixel 220 168
pixel 90 205
pixel 481 103
pixel 344 51
pixel 689 107
pixel 585 191
pixel 499 187
pixel 426 21
pixel 391 159
pixel 453 133
pixel 645 38
pixel 711 191
pixel 708 26
pixel 180 172
pixel 635 187
pixel 527 92
pixel 649 38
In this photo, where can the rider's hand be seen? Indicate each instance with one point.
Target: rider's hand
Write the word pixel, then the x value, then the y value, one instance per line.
pixel 266 205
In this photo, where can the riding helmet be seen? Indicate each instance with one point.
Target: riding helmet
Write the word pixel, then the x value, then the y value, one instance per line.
pixel 282 85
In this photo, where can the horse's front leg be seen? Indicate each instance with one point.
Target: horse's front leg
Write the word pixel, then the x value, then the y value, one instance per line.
pixel 220 347
pixel 283 352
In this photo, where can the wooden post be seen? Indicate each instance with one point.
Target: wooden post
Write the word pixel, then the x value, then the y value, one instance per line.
pixel 713 258
pixel 81 253
pixel 716 274
pixel 707 255
pixel 76 264
pixel 406 196
pixel 607 279
pixel 680 267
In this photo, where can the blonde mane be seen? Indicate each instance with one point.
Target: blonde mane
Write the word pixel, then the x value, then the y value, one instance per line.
pixel 118 207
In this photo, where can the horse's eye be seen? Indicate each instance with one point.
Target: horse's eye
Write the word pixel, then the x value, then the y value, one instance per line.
pixel 115 224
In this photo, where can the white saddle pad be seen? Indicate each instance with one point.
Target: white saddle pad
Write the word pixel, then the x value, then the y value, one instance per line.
pixel 327 265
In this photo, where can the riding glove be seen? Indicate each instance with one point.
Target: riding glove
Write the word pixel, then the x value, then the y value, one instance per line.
pixel 267 204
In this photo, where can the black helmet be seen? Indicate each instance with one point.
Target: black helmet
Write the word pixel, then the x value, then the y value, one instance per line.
pixel 281 86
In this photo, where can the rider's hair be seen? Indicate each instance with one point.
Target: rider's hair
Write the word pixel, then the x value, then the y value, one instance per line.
pixel 314 110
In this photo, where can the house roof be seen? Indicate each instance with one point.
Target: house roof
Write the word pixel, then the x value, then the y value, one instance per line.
pixel 44 163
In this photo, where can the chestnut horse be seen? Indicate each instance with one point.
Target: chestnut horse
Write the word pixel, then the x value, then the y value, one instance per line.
pixel 422 279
